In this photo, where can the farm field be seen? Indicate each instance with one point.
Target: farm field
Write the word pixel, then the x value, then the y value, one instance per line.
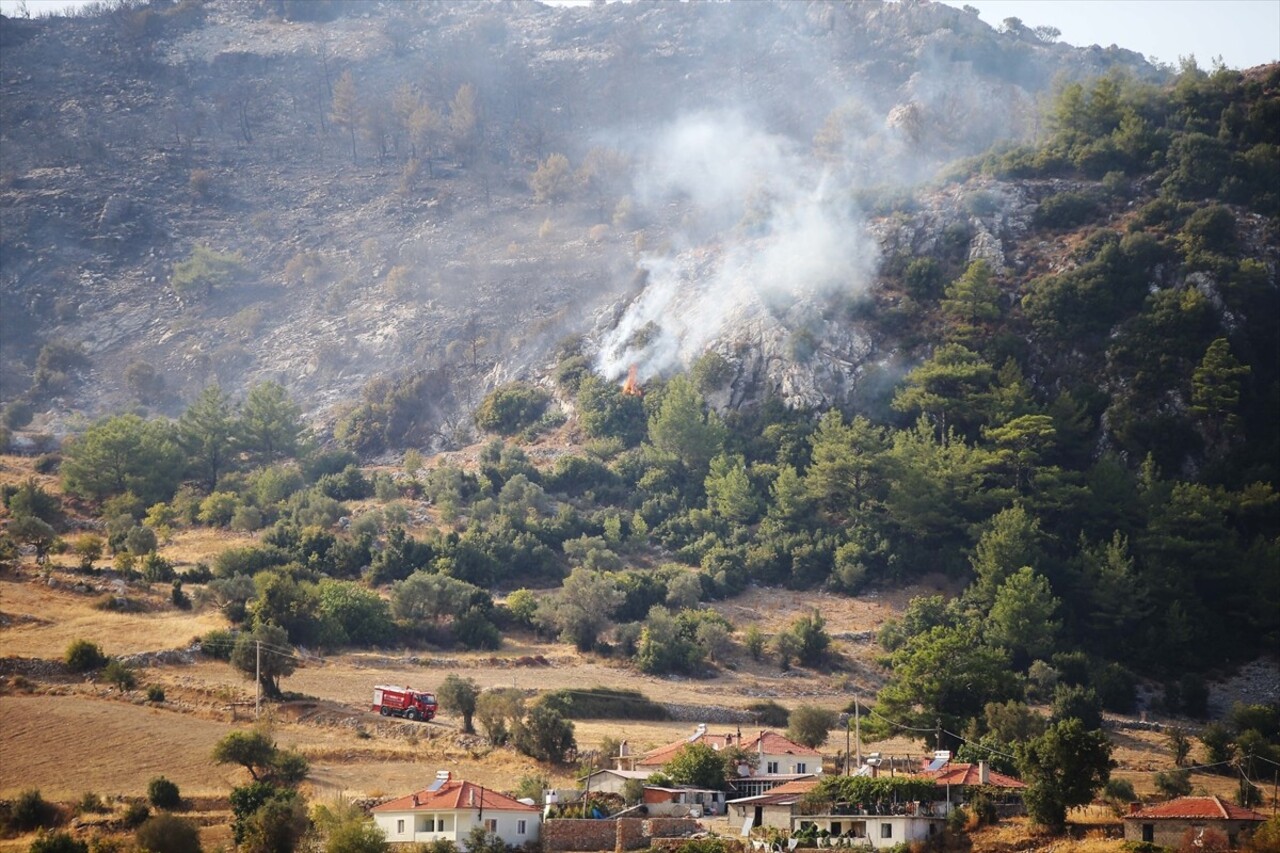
pixel 69 735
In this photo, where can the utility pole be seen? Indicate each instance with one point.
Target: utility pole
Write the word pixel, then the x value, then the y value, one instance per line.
pixel 257 679
pixel 846 743
pixel 857 730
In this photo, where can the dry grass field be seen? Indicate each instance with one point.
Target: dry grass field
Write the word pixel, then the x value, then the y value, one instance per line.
pixel 68 735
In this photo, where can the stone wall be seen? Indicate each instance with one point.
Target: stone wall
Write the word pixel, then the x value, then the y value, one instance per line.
pixel 628 833
pixel 571 834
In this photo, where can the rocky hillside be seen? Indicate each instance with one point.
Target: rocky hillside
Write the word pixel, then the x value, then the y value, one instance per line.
pixel 326 193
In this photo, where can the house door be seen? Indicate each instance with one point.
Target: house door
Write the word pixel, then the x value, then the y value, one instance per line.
pixel 759 816
pixel 1149 832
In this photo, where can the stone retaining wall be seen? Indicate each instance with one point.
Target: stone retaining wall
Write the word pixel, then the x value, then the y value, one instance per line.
pixel 628 833
pixel 707 713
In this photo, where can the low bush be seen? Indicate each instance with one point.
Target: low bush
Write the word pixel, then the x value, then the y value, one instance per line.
pixel 169 834
pixel 135 814
pixel 120 674
pixel 58 842
pixel 770 713
pixel 30 811
pixel 163 794
pixel 83 656
pixel 604 703
pixel 511 408
pixel 1065 210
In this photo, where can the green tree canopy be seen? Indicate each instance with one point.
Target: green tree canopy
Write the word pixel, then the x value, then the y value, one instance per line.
pixel 810 725
pixel 945 674
pixel 1063 768
pixel 206 432
pixel 123 454
pixel 276 661
pixel 581 608
pixel 697 764
pixel 1021 618
pixel 458 694
pixel 270 424
pixel 683 428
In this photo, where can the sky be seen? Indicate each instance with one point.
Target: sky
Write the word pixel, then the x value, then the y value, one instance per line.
pixel 1243 32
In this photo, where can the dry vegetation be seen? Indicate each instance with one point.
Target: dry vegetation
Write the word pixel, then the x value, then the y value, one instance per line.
pixel 116 742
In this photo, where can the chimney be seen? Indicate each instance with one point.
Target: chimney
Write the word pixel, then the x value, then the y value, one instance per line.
pixel 984 773
pixel 624 750
pixel 415 801
pixel 1134 808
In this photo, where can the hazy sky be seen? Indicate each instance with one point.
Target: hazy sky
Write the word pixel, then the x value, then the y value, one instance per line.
pixel 1243 32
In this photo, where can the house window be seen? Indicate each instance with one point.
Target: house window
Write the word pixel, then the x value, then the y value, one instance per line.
pixel 399 827
pixel 886 830
pixel 800 767
pixel 491 825
pixel 771 767
pixel 520 827
pixel 442 823
pixel 835 827
pixel 1149 832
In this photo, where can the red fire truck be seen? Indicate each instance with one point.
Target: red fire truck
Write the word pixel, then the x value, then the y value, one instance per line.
pixel 404 702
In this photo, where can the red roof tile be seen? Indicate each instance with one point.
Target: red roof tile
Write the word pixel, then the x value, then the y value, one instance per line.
pixel 1202 808
pixel 769 743
pixel 959 773
pixel 453 796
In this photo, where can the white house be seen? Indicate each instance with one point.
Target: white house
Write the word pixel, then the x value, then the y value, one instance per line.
pixel 771 759
pixel 450 809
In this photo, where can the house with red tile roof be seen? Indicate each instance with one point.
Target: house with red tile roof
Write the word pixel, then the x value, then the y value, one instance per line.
pixel 1168 824
pixel 449 809
pixel 781 807
pixel 774 759
pixel 961 780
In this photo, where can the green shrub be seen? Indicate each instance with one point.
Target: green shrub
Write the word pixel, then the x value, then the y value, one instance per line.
pixel 135 814
pixel 31 811
pixel 1065 210
pixel 604 703
pixel 510 408
pixel 91 803
pixel 163 794
pixel 47 463
pixel 120 674
pixel 169 834
pixel 58 842
pixel 204 271
pixel 83 656
pixel 769 713
pixel 218 644
pixel 155 693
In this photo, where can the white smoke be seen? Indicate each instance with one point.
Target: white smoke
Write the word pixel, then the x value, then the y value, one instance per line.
pixel 760 230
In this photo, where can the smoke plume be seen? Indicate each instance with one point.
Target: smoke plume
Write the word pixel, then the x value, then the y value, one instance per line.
pixel 760 228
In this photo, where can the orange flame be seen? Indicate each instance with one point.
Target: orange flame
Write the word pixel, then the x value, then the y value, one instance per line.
pixel 632 387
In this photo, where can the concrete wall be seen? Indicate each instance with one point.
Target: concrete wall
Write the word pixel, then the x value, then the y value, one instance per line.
pixel 626 833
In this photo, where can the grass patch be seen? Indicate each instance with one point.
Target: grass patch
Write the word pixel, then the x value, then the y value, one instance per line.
pixel 604 703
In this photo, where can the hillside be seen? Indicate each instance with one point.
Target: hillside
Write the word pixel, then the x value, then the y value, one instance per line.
pixel 381 243
pixel 758 357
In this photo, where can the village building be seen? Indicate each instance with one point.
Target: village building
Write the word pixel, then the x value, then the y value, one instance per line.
pixel 449 809
pixel 1169 824
pixel 683 801
pixel 841 827
pixel 774 759
pixel 958 781
pixel 612 781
